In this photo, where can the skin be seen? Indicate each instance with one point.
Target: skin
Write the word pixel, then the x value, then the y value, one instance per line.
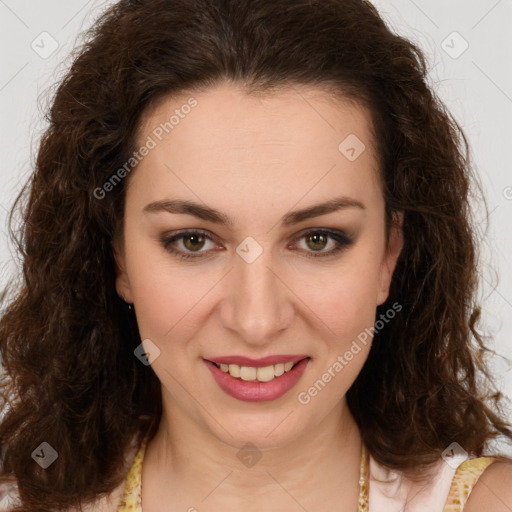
pixel 243 155
pixel 492 490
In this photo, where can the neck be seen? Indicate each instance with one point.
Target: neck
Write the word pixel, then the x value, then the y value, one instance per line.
pixel 184 455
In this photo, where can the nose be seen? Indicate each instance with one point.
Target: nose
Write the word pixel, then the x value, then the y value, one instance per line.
pixel 258 304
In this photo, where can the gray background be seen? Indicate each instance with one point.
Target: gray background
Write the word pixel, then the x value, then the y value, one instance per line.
pixel 475 83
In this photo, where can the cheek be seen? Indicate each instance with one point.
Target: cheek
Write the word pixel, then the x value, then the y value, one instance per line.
pixel 343 297
pixel 165 296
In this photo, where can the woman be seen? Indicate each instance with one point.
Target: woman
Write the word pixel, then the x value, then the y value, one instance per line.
pixel 249 274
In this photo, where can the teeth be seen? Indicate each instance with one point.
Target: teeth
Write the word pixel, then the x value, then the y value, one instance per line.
pixel 234 370
pixel 248 373
pixel 263 374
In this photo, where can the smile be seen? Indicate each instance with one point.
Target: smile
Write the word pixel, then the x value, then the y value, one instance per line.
pixel 257 383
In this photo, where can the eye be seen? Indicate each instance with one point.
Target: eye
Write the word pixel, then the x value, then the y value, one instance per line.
pixel 192 241
pixel 318 240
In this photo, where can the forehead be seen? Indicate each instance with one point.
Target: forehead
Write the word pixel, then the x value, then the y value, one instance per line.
pixel 290 138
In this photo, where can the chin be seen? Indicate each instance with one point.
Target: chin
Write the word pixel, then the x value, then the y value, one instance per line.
pixel 263 431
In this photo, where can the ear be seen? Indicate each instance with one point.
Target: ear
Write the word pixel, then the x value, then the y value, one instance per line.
pixel 393 250
pixel 123 287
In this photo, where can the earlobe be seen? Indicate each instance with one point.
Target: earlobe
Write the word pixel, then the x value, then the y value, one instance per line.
pixel 123 287
pixel 393 251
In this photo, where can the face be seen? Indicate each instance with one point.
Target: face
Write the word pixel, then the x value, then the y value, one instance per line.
pixel 232 255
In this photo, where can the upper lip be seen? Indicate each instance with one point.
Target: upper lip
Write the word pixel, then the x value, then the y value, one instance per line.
pixel 258 363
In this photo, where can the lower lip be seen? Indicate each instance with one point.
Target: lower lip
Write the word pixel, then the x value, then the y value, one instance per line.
pixel 254 391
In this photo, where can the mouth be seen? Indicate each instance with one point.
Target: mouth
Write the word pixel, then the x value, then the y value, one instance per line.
pixel 258 381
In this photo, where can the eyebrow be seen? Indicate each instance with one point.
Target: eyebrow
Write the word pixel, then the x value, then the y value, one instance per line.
pixel 213 215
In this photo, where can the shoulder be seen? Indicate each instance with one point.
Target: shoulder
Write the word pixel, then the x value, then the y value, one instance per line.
pixel 107 503
pixel 112 501
pixel 493 490
pixel 8 495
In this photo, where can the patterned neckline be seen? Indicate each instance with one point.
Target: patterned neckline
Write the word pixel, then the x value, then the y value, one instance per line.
pixel 463 480
pixel 132 497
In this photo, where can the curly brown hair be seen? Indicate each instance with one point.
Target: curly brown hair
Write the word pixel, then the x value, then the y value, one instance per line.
pixel 67 339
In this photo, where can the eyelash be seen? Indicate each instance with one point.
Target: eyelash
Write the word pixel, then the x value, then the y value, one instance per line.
pixel 340 237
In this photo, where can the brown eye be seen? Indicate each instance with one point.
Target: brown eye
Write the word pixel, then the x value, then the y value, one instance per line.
pixel 188 244
pixel 194 242
pixel 318 241
pixel 323 243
